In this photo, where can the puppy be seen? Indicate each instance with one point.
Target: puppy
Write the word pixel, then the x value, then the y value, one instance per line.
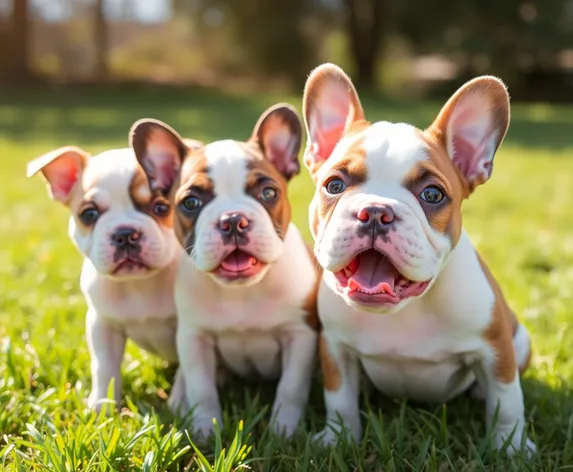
pixel 124 231
pixel 246 288
pixel 404 294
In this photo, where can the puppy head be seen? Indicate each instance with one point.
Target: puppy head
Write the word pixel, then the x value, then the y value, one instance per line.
pixel 230 197
pixel 116 221
pixel 387 207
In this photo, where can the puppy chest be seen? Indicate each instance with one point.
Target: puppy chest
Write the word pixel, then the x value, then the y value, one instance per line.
pixel 155 336
pixel 418 380
pixel 251 353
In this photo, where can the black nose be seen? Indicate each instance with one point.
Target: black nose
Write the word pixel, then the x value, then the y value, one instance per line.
pixel 377 216
pixel 125 237
pixel 233 223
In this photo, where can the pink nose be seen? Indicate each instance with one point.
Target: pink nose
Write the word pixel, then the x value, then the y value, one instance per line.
pixel 382 214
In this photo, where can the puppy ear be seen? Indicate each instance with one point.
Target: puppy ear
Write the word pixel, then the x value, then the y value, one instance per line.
pixel 279 134
pixel 330 106
pixel 160 151
pixel 472 125
pixel 61 169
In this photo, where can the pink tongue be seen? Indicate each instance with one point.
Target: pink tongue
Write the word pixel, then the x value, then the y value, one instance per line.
pixel 238 261
pixel 375 273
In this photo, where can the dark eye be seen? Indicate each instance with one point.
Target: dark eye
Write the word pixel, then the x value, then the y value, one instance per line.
pixel 335 186
pixel 89 216
pixel 432 194
pixel 191 203
pixel 160 208
pixel 268 194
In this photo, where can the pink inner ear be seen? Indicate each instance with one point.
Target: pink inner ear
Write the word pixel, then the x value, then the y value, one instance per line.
pixel 62 176
pixel 325 141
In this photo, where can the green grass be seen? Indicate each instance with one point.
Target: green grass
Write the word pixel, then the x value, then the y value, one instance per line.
pixel 521 221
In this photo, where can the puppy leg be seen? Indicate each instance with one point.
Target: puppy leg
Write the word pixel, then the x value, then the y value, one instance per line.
pixel 299 352
pixel 176 401
pixel 498 375
pixel 198 363
pixel 106 344
pixel 341 374
pixel 522 348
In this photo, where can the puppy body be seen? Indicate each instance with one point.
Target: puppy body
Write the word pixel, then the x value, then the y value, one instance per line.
pixel 130 255
pixel 404 294
pixel 246 289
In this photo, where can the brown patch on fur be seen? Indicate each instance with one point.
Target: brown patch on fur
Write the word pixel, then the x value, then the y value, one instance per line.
pixel 310 304
pixel 499 334
pixel 330 371
pixel 193 179
pixel 145 200
pixel 262 173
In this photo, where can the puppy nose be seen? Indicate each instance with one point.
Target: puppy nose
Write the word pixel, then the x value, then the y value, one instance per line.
pixel 376 214
pixel 124 237
pixel 233 223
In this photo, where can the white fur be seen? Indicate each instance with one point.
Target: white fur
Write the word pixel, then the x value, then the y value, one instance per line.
pixel 253 329
pixel 140 308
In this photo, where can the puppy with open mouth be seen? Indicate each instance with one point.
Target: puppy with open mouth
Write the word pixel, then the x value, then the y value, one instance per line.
pixel 246 288
pixel 125 234
pixel 404 294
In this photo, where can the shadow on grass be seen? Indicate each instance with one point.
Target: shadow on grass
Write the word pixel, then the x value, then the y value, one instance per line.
pixel 397 435
pixel 98 115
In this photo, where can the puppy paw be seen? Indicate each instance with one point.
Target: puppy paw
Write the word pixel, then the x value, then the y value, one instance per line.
pixel 515 447
pixel 203 429
pixel 286 419
pixel 477 392
pixel 327 437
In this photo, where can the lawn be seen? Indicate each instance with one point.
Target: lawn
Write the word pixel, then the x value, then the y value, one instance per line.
pixel 521 221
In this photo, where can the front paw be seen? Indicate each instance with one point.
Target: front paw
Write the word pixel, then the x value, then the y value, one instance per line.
pixel 515 446
pixel 98 403
pixel 202 429
pixel 286 420
pixel 331 434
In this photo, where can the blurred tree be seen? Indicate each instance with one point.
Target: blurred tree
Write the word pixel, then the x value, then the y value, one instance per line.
pixel 364 26
pixel 15 37
pixel 100 41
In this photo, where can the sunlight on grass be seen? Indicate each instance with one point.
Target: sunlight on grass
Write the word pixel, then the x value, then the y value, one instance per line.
pixel 521 222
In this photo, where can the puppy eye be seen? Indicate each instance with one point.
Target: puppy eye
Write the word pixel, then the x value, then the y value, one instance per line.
pixel 268 194
pixel 432 194
pixel 160 208
pixel 335 186
pixel 191 203
pixel 89 216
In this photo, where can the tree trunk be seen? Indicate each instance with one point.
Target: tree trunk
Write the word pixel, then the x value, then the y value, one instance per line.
pixel 19 46
pixel 364 26
pixel 100 41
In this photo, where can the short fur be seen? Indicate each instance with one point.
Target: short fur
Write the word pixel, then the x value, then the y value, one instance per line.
pixel 455 327
pixel 262 324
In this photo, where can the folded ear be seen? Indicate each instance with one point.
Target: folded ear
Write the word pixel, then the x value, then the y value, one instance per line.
pixel 472 125
pixel 330 106
pixel 279 134
pixel 160 151
pixel 61 169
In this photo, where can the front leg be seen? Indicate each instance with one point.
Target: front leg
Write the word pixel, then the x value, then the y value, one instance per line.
pixel 340 371
pixel 198 364
pixel 299 353
pixel 497 373
pixel 106 345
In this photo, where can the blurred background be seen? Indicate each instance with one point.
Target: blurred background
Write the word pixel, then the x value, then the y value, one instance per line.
pixel 405 48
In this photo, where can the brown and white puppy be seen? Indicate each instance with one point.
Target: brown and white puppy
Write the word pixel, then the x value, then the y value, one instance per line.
pixel 404 293
pixel 246 288
pixel 125 233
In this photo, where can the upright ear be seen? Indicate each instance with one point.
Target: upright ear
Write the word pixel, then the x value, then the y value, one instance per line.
pixel 61 169
pixel 279 134
pixel 160 151
pixel 472 125
pixel 330 106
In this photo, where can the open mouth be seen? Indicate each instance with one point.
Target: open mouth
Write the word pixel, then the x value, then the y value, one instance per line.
pixel 371 278
pixel 130 266
pixel 238 265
